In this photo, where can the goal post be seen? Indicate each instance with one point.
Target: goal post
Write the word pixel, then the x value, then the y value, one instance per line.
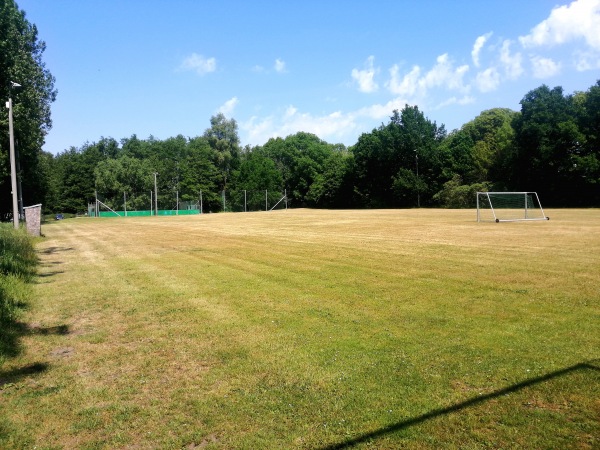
pixel 509 207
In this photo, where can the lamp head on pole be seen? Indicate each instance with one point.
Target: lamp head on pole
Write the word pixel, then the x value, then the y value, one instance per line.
pixel 14 85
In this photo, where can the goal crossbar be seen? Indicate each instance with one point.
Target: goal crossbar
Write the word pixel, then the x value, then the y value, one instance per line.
pixel 509 207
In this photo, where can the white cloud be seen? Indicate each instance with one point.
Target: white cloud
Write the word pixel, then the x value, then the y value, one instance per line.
pixel 199 64
pixel 586 60
pixel 228 107
pixel 446 83
pixel 279 66
pixel 333 127
pixel 442 75
pixel 512 63
pixel 479 43
pixel 366 78
pixel 544 67
pixel 379 111
pixel 465 100
pixel 487 80
pixel 579 20
pixel 409 83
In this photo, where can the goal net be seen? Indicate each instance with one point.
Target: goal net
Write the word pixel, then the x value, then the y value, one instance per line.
pixel 509 207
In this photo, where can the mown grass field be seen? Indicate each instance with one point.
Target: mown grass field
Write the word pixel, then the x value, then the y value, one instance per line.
pixel 418 329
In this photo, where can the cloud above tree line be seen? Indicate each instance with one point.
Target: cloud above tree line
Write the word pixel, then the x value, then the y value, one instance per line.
pixel 494 60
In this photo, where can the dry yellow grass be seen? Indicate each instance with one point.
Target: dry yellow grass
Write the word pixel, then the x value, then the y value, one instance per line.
pixel 308 328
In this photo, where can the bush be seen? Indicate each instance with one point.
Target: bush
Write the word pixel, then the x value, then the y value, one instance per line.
pixel 458 195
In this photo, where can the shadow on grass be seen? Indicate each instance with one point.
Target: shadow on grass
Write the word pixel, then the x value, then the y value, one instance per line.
pixel 15 375
pixel 49 264
pixel 52 250
pixel 590 365
pixel 50 274
pixel 10 346
pixel 12 332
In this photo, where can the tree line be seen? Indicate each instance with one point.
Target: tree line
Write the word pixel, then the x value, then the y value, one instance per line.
pixel 552 146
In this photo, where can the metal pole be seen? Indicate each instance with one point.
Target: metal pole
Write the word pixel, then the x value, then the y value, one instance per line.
pixel 418 194
pixel 125 202
pixel 244 200
pixel 155 195
pixel 177 205
pixel 19 186
pixel 285 194
pixel 266 200
pixel 13 169
pixel 200 202
pixel 150 202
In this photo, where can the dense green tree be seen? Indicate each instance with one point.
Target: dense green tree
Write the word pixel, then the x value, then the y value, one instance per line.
pixel 75 181
pixel 586 155
pixel 455 194
pixel 136 148
pixel 257 173
pixel 123 181
pixel 74 174
pixel 21 62
pixel 480 152
pixel 199 176
pixel 374 168
pixel 548 143
pixel 493 138
pixel 49 182
pixel 333 186
pixel 400 164
pixel 223 138
pixel 300 158
pixel 419 137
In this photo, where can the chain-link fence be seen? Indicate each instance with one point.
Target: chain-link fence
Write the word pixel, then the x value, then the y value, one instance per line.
pixel 136 205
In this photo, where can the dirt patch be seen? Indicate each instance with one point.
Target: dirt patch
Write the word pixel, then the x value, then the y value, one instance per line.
pixel 62 352
pixel 210 439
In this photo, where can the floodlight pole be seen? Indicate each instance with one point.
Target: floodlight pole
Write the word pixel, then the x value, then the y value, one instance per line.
pixel 155 195
pixel 417 165
pixel 13 167
pixel 19 181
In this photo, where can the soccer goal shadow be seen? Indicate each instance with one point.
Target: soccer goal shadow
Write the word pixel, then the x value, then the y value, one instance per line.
pixel 585 366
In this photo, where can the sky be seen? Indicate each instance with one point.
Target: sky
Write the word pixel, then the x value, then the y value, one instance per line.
pixel 334 68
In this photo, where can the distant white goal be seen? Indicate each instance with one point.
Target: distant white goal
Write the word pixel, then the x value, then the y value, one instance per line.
pixel 509 207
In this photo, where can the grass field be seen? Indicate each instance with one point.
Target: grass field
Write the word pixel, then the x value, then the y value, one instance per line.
pixel 418 329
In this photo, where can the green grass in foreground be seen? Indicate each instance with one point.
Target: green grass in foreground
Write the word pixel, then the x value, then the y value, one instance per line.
pixel 311 329
pixel 18 262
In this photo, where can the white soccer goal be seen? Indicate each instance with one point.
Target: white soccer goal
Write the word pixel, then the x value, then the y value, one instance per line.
pixel 509 207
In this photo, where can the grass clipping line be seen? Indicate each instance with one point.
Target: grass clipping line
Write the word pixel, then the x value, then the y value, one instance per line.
pixel 310 329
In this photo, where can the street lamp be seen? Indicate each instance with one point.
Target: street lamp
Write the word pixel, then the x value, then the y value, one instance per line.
pixel 13 166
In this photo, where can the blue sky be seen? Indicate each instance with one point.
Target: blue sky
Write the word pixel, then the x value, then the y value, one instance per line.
pixel 333 68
